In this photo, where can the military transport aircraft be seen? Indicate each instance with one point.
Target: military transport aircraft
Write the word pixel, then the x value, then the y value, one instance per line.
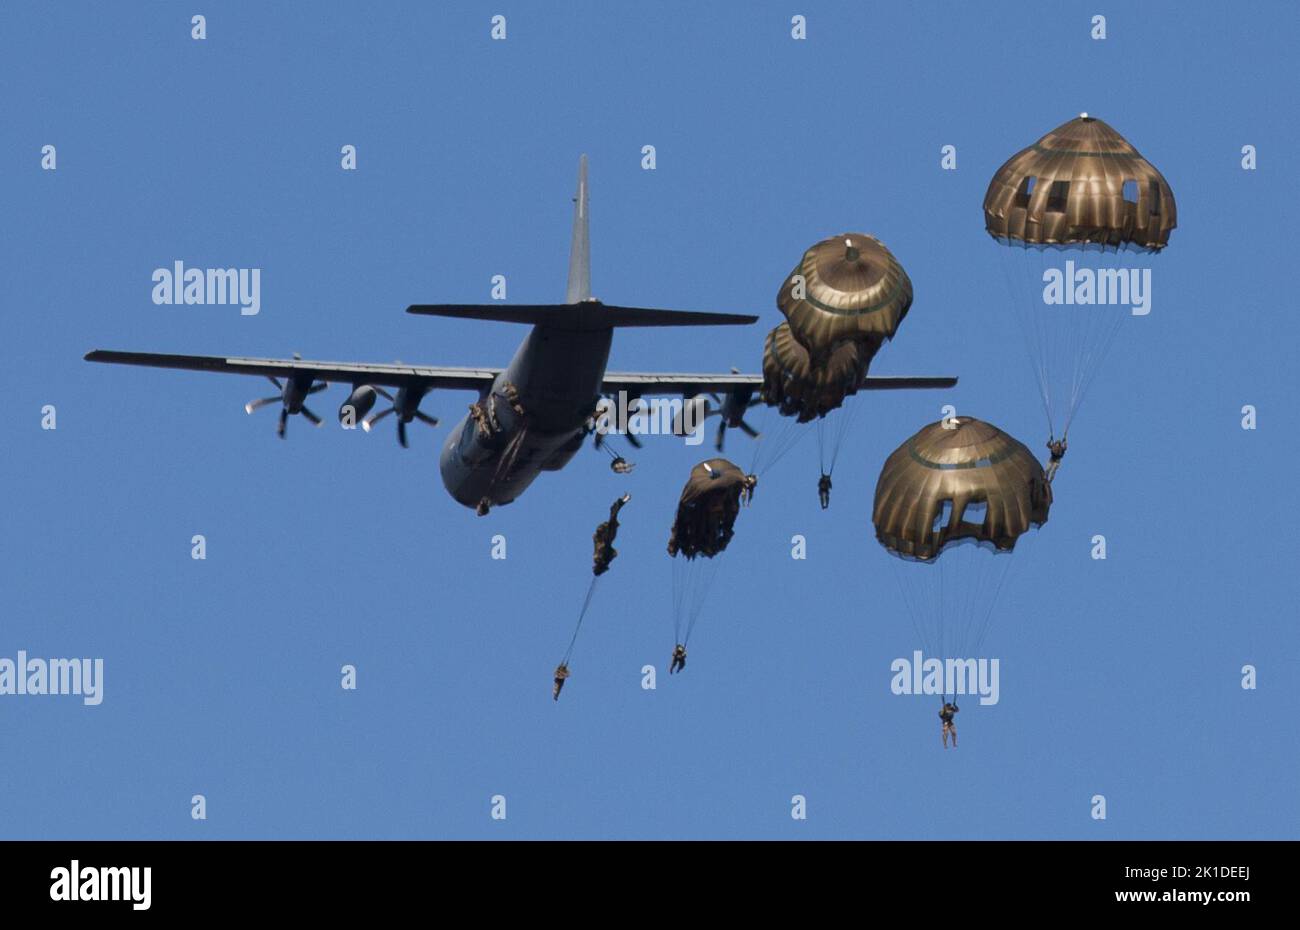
pixel 531 416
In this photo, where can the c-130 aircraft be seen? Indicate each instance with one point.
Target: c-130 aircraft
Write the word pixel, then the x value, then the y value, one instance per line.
pixel 530 417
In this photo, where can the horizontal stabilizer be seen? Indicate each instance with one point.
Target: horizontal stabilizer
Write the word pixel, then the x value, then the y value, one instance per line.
pixel 898 383
pixel 590 315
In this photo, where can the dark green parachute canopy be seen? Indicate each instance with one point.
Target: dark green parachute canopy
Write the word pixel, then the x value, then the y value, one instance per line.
pixel 707 511
pixel 806 391
pixel 1080 184
pixel 933 484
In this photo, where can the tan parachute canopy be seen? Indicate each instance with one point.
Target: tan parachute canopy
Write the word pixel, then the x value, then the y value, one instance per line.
pixel 845 287
pixel 930 482
pixel 1081 183
pixel 707 511
pixel 804 391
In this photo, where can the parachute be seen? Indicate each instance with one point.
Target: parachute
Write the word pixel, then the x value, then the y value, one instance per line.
pixel 845 287
pixel 707 511
pixel 844 299
pixel 951 504
pixel 797 388
pixel 703 527
pixel 1084 197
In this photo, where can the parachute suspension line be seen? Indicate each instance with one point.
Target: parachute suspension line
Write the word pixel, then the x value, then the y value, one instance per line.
pixel 846 423
pixel 992 602
pixel 914 612
pixel 1014 272
pixel 679 596
pixel 772 445
pixel 838 433
pixel 976 591
pixel 1095 345
pixel 586 602
pixel 821 445
pixel 704 581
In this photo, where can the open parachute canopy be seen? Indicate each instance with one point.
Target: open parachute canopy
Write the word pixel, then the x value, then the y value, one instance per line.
pixel 707 511
pixel 846 287
pixel 956 480
pixel 1081 211
pixel 844 299
pixel 1080 184
pixel 802 389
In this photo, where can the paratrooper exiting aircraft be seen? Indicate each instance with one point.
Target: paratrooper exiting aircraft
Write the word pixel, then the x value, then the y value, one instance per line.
pixel 531 416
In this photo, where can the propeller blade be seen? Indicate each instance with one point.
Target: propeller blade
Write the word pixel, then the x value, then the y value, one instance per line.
pixel 284 420
pixel 749 430
pixel 310 416
pixel 716 399
pixel 722 434
pixel 600 439
pixel 276 382
pixel 381 392
pixel 260 403
pixel 318 387
pixel 374 418
pixel 631 438
pixel 425 418
pixel 401 433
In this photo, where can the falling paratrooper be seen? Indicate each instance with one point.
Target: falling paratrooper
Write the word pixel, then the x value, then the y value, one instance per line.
pixel 603 553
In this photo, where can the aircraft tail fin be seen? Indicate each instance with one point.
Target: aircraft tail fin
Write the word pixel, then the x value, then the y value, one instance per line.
pixel 579 288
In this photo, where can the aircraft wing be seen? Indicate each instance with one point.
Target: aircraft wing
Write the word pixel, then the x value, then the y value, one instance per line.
pixel 394 375
pixel 688 385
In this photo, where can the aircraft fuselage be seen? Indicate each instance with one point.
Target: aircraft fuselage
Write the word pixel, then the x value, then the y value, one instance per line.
pixel 554 382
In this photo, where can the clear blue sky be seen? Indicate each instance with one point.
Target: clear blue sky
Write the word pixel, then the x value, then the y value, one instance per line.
pixel 1119 677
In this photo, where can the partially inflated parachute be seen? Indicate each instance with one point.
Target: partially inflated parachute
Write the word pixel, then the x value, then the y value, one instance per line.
pixel 707 511
pixel 704 525
pixel 805 391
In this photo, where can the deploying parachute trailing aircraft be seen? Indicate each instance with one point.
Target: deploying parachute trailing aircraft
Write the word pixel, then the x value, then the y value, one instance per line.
pixel 603 553
pixel 531 416
pixel 951 504
pixel 704 525
pixel 707 511
pixel 1071 214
